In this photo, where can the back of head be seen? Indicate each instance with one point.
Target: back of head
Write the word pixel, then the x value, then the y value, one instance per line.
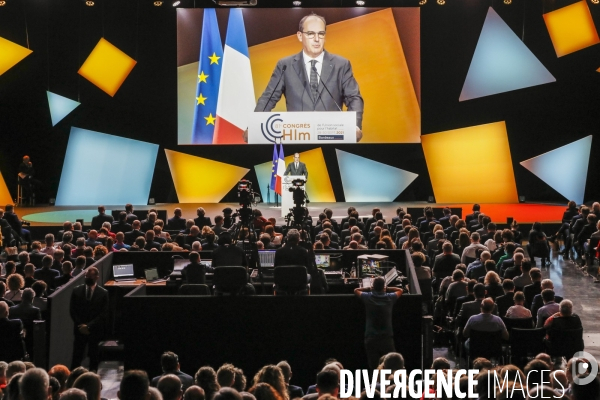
pixel 134 385
pixel 264 391
pixel 170 387
pixel 286 370
pixel 487 305
pixel 60 372
pixel 90 383
pixel 169 361
pixel 73 394
pixel 194 392
pixel 378 284
pixel 227 393
pixel 33 385
pixel 226 375
pixel 14 367
pixel 566 308
pixel 547 295
pixel 440 363
pixel 393 361
pixel 479 291
pixel 327 381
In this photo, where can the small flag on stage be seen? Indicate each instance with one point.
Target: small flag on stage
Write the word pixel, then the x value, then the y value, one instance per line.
pixel 209 78
pixel 274 167
pixel 280 169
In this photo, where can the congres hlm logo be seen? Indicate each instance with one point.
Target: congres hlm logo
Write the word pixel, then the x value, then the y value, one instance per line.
pixel 585 363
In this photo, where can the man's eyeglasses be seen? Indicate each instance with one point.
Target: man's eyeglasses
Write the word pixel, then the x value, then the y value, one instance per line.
pixel 311 35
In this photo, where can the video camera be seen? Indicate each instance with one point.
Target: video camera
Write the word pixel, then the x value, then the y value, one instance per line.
pixel 246 196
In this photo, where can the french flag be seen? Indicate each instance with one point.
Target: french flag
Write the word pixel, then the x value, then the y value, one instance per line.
pixel 236 91
pixel 280 170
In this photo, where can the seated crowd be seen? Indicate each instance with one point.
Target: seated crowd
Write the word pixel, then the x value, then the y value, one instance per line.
pixel 477 276
pixel 540 378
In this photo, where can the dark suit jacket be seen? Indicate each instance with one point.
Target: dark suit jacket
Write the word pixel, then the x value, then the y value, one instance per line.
pixel 295 391
pixel 444 265
pixel 131 236
pixel 195 273
pixel 14 221
pixel 460 301
pixel 176 223
pixel 292 255
pixel 336 74
pixel 99 219
pixel 12 343
pixel 292 170
pixel 445 222
pixel 201 222
pixel 505 302
pixel 91 313
pixel 24 311
pixel 120 227
pixel 62 280
pixel 530 291
pixel 35 257
pixel 46 275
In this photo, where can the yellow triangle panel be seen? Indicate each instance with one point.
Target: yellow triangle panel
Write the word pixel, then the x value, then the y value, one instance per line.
pixel 5 197
pixel 474 179
pixel 11 54
pixel 200 180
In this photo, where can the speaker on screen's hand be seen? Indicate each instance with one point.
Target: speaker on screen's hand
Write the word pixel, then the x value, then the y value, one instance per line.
pixel 359 134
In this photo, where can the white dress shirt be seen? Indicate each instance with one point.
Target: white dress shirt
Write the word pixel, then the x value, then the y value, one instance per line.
pixel 319 65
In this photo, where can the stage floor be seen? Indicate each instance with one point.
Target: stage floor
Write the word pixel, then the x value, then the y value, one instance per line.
pixel 45 215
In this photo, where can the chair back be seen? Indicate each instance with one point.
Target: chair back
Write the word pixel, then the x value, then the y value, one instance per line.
pixel 526 342
pixel 565 342
pixel 485 344
pixel 194 290
pixel 290 279
pixel 230 279
pixel 520 323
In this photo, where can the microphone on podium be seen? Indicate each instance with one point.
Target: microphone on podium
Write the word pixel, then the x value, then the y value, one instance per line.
pixel 276 86
pixel 326 88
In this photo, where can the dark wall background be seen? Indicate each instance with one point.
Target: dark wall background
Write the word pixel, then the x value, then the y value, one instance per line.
pixel 62 33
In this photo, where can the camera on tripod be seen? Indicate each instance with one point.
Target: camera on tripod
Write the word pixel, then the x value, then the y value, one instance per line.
pixel 299 195
pixel 246 196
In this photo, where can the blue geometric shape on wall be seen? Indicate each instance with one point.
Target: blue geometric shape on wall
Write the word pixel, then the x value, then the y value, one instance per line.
pixel 60 106
pixel 105 169
pixel 564 169
pixel 501 62
pixel 366 180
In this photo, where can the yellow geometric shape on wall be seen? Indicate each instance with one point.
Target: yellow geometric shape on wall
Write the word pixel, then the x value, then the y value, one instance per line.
pixel 200 180
pixel 11 54
pixel 462 169
pixel 107 67
pixel 5 197
pixel 392 118
pixel 571 28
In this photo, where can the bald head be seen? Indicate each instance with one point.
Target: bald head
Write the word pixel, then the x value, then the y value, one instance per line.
pixel 170 387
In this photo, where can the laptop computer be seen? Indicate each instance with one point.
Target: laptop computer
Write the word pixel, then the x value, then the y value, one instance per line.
pixel 123 273
pixel 267 258
pixel 152 276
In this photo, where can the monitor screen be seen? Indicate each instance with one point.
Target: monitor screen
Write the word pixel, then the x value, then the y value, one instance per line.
pixel 370 267
pixel 122 270
pixel 267 258
pixel 179 263
pixel 323 261
pixel 151 274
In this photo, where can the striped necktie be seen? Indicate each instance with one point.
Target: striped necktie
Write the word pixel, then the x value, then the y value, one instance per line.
pixel 314 79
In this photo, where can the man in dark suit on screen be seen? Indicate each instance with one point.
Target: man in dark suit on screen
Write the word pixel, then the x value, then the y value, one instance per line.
pixel 297 167
pixel 314 79
pixel 88 308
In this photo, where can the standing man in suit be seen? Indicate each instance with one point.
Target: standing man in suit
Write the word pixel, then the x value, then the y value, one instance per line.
pixel 297 167
pixel 88 308
pixel 316 80
pixel 101 218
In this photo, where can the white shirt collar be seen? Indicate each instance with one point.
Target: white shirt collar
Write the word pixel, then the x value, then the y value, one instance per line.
pixel 308 58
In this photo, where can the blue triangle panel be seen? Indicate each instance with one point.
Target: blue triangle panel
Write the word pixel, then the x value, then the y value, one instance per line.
pixel 501 62
pixel 564 169
pixel 236 32
pixel 366 180
pixel 60 106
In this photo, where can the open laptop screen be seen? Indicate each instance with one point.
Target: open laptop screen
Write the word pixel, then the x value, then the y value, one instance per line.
pixel 123 271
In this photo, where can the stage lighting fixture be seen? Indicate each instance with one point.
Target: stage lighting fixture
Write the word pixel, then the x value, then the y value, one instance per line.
pixel 441 2
pixel 158 3
pixel 595 1
pixel 522 199
pixel 360 3
pixel 51 201
pixel 235 3
pixel 297 3
pixel 151 201
pixel 431 199
pixel 422 2
pixel 2 3
pixel 176 3
pixel 90 3
pixel 507 2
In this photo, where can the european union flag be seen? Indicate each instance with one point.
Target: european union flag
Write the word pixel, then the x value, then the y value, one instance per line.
pixel 209 78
